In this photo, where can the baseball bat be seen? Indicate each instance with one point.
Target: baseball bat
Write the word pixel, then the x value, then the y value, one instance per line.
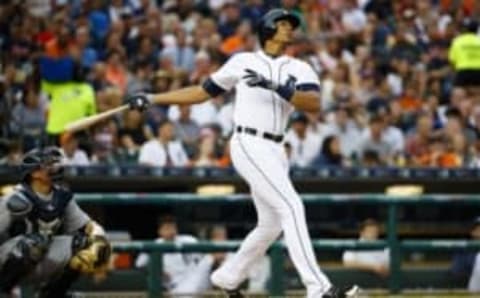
pixel 91 120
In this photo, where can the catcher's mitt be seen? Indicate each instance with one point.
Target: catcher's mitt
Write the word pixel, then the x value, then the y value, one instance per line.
pixel 93 258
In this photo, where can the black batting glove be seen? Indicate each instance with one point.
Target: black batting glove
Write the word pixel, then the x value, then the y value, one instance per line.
pixel 140 101
pixel 254 79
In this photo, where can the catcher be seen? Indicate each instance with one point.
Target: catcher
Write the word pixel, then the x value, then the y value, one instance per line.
pixel 45 239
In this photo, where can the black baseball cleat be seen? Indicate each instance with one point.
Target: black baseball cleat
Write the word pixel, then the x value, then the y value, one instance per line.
pixel 347 292
pixel 236 293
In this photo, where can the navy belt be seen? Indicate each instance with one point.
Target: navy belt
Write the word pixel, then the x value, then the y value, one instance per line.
pixel 255 132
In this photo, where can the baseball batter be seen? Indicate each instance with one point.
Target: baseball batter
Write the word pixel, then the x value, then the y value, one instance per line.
pixel 269 86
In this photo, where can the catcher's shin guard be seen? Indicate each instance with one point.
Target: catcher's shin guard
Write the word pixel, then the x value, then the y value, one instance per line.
pixel 59 287
pixel 11 273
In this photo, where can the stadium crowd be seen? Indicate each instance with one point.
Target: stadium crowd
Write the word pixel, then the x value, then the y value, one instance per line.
pixel 390 94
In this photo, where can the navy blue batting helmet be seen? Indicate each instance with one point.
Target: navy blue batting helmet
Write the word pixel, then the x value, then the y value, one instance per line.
pixel 267 26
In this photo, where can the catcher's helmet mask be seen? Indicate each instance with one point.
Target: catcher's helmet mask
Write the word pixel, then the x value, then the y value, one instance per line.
pixel 49 158
pixel 267 26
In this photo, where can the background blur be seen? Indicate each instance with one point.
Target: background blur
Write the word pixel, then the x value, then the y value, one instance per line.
pixel 391 115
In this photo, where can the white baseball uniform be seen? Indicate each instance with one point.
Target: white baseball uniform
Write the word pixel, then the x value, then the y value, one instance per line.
pixel 263 164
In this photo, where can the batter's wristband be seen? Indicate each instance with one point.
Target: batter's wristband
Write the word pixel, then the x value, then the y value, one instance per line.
pixel 285 91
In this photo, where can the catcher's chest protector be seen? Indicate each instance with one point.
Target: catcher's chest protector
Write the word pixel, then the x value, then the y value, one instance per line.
pixel 36 215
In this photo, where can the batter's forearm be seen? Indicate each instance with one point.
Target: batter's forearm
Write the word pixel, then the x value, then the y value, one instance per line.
pixel 307 101
pixel 184 96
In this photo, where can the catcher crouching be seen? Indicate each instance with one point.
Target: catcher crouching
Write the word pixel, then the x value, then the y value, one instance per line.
pixel 45 238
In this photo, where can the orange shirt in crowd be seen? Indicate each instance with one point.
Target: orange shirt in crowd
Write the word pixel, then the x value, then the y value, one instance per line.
pixel 449 160
pixel 53 50
pixel 444 160
pixel 467 5
pixel 232 45
pixel 410 104
pixel 117 77
pixel 224 161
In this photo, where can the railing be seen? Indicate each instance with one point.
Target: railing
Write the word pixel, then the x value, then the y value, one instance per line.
pixel 134 171
pixel 396 247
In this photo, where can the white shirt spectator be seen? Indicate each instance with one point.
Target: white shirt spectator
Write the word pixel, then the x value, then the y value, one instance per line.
pixel 327 99
pixel 354 20
pixel 182 268
pixel 349 137
pixel 303 151
pixel 204 113
pixel 39 8
pixel 79 158
pixel 392 141
pixel 225 118
pixel 155 154
pixel 396 84
pixel 330 62
pixel 370 257
pixel 394 136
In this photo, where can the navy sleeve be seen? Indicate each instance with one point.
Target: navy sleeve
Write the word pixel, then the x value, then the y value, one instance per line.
pixel 212 88
pixel 308 87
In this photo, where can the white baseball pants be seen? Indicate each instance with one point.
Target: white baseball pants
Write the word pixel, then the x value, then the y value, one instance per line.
pixel 264 165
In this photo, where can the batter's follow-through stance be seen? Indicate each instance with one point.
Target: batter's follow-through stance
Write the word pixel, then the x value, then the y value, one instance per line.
pixel 269 86
pixel 45 238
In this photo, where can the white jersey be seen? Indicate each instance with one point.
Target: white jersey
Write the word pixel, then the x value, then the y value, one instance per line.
pixel 260 108
pixel 263 163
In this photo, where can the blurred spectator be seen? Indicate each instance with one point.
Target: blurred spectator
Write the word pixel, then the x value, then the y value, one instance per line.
pixel 69 101
pixel 330 154
pixel 378 138
pixel 28 118
pixel 187 130
pixel 347 129
pixel 115 72
pixel 305 145
pixel 202 68
pixel 418 142
pixel 463 55
pixel 138 80
pixel 225 159
pixel 182 273
pixel 375 58
pixel 354 18
pixel 229 18
pixel 165 150
pixel 204 114
pixel 14 154
pixel 134 128
pixel 72 155
pixel 108 98
pixel 371 159
pixel 205 156
pixel 59 45
pixel 181 54
pixel 104 138
pixel 88 55
pixel 375 261
pixel 441 153
pixel 238 41
pixel 98 77
pixel 466 264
